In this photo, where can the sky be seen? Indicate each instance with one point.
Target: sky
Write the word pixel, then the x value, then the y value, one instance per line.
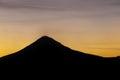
pixel 91 26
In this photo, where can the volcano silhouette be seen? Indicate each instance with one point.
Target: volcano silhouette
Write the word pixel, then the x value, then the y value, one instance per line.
pixel 48 52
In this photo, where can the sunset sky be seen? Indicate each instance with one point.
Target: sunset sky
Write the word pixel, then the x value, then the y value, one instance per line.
pixel 91 26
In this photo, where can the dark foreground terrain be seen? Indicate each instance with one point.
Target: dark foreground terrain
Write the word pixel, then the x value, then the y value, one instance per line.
pixel 48 59
pixel 47 52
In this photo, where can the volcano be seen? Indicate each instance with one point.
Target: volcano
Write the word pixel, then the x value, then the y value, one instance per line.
pixel 48 52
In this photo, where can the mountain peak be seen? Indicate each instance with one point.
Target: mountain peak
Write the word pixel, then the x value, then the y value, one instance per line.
pixel 45 37
pixel 46 40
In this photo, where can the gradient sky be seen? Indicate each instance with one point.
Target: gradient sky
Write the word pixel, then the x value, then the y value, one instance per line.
pixel 91 26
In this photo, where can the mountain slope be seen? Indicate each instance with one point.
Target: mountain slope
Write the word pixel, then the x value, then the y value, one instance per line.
pixel 48 52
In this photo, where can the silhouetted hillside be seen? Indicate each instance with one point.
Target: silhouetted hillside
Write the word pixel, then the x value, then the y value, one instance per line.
pixel 48 52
